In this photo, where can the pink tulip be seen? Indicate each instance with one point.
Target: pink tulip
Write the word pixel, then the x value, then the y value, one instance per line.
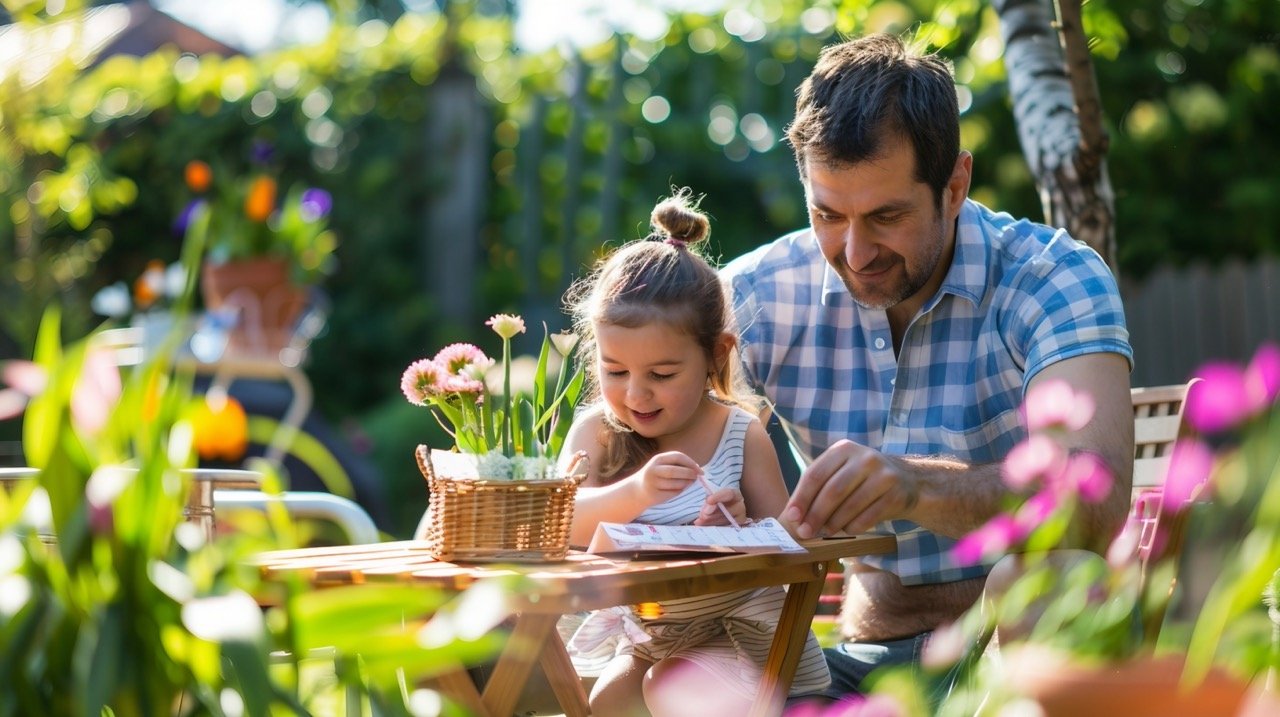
pixel 1190 464
pixel 1262 376
pixel 1221 400
pixel 1038 458
pixel 1054 404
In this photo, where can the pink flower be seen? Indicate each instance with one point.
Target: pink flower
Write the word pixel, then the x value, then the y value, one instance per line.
pixel 26 380
pixel 875 705
pixel 989 540
pixel 1088 476
pixel 463 360
pixel 96 392
pixel 1190 464
pixel 1221 400
pixel 462 384
pixel 1262 376
pixel 421 381
pixel 1036 510
pixel 1054 404
pixel 1039 458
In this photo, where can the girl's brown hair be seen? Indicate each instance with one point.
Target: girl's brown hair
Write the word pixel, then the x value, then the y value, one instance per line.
pixel 663 277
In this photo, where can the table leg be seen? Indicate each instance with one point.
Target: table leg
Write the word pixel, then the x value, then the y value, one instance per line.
pixel 526 644
pixel 564 679
pixel 788 644
pixel 459 687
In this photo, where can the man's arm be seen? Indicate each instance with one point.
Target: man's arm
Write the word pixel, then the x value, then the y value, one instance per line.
pixel 851 487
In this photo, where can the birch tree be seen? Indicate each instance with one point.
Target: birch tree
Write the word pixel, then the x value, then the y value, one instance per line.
pixel 1059 116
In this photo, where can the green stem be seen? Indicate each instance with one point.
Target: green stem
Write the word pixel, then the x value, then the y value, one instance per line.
pixel 506 399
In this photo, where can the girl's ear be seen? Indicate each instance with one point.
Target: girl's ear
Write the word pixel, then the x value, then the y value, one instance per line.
pixel 724 348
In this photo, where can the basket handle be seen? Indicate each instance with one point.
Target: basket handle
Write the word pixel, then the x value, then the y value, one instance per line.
pixel 578 459
pixel 423 454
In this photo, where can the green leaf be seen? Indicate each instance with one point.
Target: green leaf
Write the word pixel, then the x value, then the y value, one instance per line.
pixel 527 443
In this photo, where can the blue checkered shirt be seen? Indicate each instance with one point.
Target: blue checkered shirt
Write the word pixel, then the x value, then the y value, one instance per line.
pixel 1018 297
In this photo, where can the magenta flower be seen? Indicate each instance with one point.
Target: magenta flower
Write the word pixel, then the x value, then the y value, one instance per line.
pixel 1054 404
pixel 421 381
pixel 1036 510
pixel 1087 476
pixel 1190 464
pixel 989 540
pixel 1221 400
pixel 1262 376
pixel 1038 458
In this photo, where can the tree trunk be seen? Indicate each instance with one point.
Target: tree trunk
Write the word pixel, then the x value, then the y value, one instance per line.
pixel 1059 117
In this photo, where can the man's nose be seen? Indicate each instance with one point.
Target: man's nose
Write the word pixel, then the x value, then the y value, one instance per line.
pixel 859 250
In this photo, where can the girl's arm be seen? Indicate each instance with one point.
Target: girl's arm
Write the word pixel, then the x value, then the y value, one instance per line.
pixel 663 476
pixel 762 485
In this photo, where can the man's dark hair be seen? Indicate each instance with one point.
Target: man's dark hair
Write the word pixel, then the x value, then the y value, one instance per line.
pixel 863 93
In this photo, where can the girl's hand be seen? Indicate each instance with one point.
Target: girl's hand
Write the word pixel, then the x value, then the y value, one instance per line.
pixel 665 476
pixel 731 499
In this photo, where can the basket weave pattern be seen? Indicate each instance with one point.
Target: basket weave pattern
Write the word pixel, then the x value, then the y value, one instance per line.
pixel 499 520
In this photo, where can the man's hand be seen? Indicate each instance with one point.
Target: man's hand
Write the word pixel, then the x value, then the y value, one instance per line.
pixel 849 488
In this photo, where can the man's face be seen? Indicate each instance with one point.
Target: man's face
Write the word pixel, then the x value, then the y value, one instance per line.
pixel 879 228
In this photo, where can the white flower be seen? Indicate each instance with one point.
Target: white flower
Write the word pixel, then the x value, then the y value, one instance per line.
pixel 506 325
pixel 564 341
pixel 112 301
pixel 175 280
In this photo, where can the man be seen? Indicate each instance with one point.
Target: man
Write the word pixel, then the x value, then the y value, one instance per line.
pixel 896 336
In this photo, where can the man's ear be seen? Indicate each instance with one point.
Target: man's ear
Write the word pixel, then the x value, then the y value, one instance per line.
pixel 957 189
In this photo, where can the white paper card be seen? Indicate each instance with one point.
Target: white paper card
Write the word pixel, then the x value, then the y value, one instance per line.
pixel 766 535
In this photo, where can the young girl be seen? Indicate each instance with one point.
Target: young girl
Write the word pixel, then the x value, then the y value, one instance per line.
pixel 655 324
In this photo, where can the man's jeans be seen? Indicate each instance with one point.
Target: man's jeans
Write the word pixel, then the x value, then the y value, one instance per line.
pixel 852 662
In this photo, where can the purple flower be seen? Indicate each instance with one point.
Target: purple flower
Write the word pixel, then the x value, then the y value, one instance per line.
pixel 1054 404
pixel 261 152
pixel 186 215
pixel 316 204
pixel 1221 400
pixel 1189 466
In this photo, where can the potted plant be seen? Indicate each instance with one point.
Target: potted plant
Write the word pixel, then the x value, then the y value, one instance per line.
pixel 1077 645
pixel 496 494
pixel 263 248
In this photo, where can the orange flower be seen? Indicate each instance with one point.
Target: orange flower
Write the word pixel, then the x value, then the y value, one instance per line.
pixel 221 429
pixel 199 176
pixel 147 287
pixel 261 200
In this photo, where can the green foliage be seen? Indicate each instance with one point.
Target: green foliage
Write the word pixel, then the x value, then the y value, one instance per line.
pixel 577 147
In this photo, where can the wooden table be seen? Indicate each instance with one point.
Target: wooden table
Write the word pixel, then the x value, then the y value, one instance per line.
pixel 588 582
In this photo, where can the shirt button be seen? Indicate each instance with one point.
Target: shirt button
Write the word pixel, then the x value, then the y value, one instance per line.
pixel 893 382
pixel 899 418
pixel 880 343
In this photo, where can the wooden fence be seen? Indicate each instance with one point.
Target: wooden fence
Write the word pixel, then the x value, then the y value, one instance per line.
pixel 1181 318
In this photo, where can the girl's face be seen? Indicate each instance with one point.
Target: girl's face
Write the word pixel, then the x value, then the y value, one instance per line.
pixel 653 378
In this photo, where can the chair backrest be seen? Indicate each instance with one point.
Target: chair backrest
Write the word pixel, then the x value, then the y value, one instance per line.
pixel 1158 422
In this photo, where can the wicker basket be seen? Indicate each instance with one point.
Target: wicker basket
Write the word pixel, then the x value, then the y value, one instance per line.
pixel 496 520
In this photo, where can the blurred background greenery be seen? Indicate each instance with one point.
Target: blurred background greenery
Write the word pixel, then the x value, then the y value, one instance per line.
pixel 472 175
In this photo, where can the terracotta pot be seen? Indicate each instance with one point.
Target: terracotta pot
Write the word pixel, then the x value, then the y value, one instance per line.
pixel 262 296
pixel 1142 687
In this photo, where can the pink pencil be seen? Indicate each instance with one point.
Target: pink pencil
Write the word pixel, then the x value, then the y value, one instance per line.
pixel 707 485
